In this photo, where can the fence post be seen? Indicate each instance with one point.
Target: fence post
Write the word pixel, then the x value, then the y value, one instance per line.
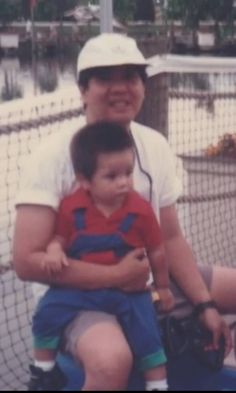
pixel 106 12
pixel 154 112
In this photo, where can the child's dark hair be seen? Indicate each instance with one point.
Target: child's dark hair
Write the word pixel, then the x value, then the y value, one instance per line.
pixel 94 139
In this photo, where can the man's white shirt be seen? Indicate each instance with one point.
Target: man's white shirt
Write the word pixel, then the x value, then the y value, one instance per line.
pixel 48 175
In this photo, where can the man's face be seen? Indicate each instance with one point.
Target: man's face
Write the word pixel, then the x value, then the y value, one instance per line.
pixel 114 94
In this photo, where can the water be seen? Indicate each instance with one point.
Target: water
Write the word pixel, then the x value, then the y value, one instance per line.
pixel 33 79
pixel 46 75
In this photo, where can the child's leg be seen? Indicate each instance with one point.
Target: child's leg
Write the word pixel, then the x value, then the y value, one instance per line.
pixel 56 309
pixel 156 378
pixel 45 359
pixel 45 373
pixel 138 319
pixel 47 329
pixel 51 316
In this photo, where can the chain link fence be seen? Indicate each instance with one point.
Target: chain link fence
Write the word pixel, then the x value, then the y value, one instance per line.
pixel 198 110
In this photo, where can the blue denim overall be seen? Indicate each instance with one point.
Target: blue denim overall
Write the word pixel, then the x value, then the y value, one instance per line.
pixel 134 311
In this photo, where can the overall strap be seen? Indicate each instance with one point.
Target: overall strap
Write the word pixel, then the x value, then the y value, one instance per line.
pixel 127 223
pixel 90 243
pixel 79 218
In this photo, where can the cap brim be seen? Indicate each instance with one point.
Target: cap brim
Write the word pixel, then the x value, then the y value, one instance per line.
pixel 111 63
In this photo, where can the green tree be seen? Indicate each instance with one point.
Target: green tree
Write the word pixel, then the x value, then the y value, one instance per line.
pixel 25 8
pixel 134 10
pixel 53 10
pixel 10 10
pixel 124 10
pixel 145 10
pixel 224 12
pixel 48 10
pixel 45 10
pixel 192 12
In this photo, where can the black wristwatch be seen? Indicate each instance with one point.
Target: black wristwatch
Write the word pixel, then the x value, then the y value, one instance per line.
pixel 201 307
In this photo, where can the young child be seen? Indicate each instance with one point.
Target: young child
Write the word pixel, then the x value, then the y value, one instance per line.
pixel 100 223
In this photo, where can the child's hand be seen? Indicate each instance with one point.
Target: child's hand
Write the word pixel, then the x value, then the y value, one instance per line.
pixel 54 262
pixel 167 300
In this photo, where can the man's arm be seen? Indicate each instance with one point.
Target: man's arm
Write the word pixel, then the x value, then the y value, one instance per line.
pixel 34 229
pixel 159 267
pixel 181 261
pixel 160 273
pixel 183 269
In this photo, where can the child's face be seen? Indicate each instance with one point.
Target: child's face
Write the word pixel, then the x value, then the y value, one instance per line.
pixel 113 178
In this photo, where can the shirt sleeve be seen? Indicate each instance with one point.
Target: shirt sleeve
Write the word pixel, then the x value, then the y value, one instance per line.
pixel 64 223
pixel 151 230
pixel 41 178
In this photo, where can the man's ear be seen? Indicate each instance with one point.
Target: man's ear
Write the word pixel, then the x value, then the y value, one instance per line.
pixel 82 91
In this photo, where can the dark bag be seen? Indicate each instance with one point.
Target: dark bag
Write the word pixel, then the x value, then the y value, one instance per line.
pixel 188 334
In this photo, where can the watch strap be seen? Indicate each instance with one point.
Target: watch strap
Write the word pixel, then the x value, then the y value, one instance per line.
pixel 201 307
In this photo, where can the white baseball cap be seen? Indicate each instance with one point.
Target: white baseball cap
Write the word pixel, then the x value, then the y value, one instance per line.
pixel 109 49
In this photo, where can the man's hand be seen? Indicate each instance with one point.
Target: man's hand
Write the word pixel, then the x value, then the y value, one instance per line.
pixel 213 321
pixel 167 300
pixel 134 271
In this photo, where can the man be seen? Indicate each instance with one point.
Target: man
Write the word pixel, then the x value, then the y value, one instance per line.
pixel 111 78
